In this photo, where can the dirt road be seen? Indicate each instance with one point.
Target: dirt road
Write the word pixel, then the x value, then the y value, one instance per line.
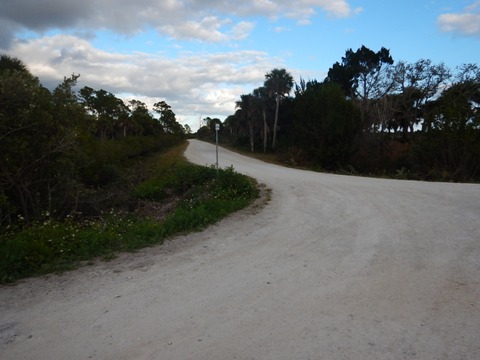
pixel 333 267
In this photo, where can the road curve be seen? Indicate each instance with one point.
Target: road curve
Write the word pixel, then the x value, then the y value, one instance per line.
pixel 333 267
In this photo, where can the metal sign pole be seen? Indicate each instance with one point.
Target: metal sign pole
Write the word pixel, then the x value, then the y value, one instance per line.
pixel 217 127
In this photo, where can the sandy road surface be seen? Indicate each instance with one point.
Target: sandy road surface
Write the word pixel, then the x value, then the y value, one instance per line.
pixel 334 267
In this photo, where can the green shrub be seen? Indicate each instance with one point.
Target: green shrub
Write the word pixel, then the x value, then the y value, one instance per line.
pixel 152 189
pixel 50 246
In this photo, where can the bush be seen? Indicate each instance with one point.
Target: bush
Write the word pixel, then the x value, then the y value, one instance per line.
pixel 201 198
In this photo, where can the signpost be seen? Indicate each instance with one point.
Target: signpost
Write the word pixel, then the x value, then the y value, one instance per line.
pixel 217 127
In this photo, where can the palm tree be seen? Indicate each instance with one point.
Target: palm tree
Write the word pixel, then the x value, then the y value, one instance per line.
pixel 279 83
pixel 246 112
pixel 261 104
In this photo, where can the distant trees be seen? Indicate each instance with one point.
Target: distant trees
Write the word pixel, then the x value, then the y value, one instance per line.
pixel 278 83
pixel 141 122
pixel 167 119
pixel 414 86
pixel 38 144
pixel 56 145
pixel 363 75
pixel 450 146
pixel 261 105
pixel 371 115
pixel 248 114
pixel 326 124
pixel 207 130
pixel 256 111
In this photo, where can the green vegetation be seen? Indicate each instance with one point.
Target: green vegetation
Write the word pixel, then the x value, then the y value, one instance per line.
pixel 175 197
pixel 369 116
pixel 63 151
pixel 84 175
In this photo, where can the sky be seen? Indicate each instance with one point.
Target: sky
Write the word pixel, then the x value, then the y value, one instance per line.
pixel 200 55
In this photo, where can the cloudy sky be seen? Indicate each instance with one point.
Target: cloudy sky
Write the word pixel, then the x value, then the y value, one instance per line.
pixel 200 55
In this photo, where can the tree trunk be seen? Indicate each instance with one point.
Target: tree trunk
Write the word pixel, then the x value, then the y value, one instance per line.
pixel 265 132
pixel 23 202
pixel 250 130
pixel 276 122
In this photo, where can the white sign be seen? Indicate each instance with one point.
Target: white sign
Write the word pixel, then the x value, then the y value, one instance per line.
pixel 217 127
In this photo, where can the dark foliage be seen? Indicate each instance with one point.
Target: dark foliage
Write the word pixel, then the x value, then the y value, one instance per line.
pixel 60 148
pixel 371 116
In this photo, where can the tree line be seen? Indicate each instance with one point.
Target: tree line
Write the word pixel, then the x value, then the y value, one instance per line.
pixel 62 148
pixel 370 115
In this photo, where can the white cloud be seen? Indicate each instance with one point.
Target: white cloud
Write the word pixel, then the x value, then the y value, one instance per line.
pixel 242 30
pixel 187 19
pixel 336 8
pixel 302 14
pixel 192 83
pixel 208 29
pixel 474 6
pixel 466 23
pixel 200 82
